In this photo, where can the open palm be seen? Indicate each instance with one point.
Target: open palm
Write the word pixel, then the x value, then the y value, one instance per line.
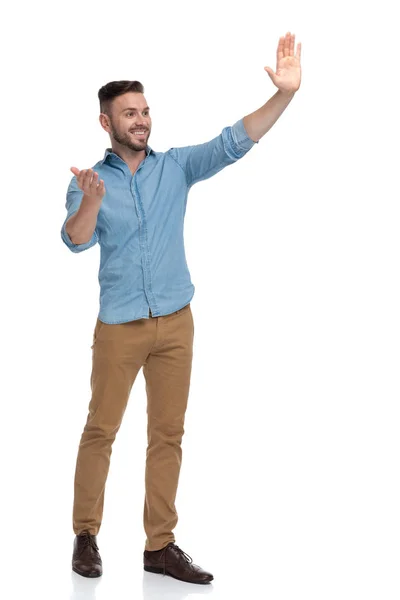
pixel 288 71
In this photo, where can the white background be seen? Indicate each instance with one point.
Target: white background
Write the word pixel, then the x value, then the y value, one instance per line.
pixel 289 486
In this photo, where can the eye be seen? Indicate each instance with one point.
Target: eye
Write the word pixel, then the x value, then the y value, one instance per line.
pixel 131 113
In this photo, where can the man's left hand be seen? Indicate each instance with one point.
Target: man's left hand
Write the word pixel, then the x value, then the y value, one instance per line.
pixel 288 71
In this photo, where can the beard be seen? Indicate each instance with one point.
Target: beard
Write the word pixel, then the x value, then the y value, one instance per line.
pixel 126 139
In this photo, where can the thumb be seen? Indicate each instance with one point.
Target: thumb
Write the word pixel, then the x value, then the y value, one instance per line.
pixel 270 73
pixel 75 170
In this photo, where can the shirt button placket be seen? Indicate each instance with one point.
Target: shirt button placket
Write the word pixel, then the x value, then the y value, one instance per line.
pixel 145 255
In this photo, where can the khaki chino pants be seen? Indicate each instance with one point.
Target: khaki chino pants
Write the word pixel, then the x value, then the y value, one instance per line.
pixel 163 346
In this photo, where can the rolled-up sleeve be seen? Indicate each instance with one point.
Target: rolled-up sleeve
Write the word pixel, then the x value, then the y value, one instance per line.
pixel 202 161
pixel 73 202
pixel 241 139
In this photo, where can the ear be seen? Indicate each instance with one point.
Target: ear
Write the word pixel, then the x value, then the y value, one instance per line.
pixel 104 122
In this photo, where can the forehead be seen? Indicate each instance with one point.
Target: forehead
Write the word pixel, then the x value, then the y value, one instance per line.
pixel 130 100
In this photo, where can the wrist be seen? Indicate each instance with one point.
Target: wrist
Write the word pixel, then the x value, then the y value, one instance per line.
pixel 91 200
pixel 286 94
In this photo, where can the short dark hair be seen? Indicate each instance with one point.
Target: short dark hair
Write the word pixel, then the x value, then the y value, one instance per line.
pixel 111 90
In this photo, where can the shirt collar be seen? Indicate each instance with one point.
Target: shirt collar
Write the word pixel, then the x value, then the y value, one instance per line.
pixel 109 152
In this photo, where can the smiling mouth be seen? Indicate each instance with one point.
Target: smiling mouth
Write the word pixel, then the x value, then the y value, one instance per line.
pixel 139 133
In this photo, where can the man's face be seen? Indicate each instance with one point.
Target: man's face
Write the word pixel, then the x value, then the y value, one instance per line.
pixel 130 117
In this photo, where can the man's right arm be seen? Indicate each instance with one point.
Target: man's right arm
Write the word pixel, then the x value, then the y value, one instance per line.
pixel 84 198
pixel 82 224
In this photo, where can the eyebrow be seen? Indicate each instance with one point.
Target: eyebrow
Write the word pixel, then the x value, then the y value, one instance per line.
pixel 146 108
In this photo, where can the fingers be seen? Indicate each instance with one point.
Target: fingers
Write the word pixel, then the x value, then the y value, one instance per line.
pixel 88 181
pixel 94 180
pixel 279 52
pixel 285 46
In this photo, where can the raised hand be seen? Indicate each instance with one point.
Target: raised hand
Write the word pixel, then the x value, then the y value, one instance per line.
pixel 288 71
pixel 88 182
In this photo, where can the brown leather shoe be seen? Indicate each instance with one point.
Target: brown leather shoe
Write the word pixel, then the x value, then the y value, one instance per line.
pixel 86 560
pixel 174 562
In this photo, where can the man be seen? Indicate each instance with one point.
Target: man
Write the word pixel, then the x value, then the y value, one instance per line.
pixel 133 203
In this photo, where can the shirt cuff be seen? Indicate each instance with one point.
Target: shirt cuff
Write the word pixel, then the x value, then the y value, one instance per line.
pixel 241 137
pixel 77 247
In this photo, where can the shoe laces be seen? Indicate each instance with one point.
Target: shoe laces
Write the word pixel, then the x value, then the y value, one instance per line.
pixel 87 539
pixel 185 556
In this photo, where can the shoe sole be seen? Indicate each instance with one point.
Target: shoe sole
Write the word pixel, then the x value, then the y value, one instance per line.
pixel 160 571
pixel 86 574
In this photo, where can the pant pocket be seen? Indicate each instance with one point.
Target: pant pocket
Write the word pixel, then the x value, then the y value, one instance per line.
pixel 96 331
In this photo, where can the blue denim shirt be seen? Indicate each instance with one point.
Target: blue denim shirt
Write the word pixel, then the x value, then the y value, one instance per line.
pixel 140 224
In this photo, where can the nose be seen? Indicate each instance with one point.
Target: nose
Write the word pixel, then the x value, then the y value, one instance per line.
pixel 142 123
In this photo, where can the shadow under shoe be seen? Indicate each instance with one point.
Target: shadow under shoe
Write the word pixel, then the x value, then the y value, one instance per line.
pixel 86 559
pixel 174 562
